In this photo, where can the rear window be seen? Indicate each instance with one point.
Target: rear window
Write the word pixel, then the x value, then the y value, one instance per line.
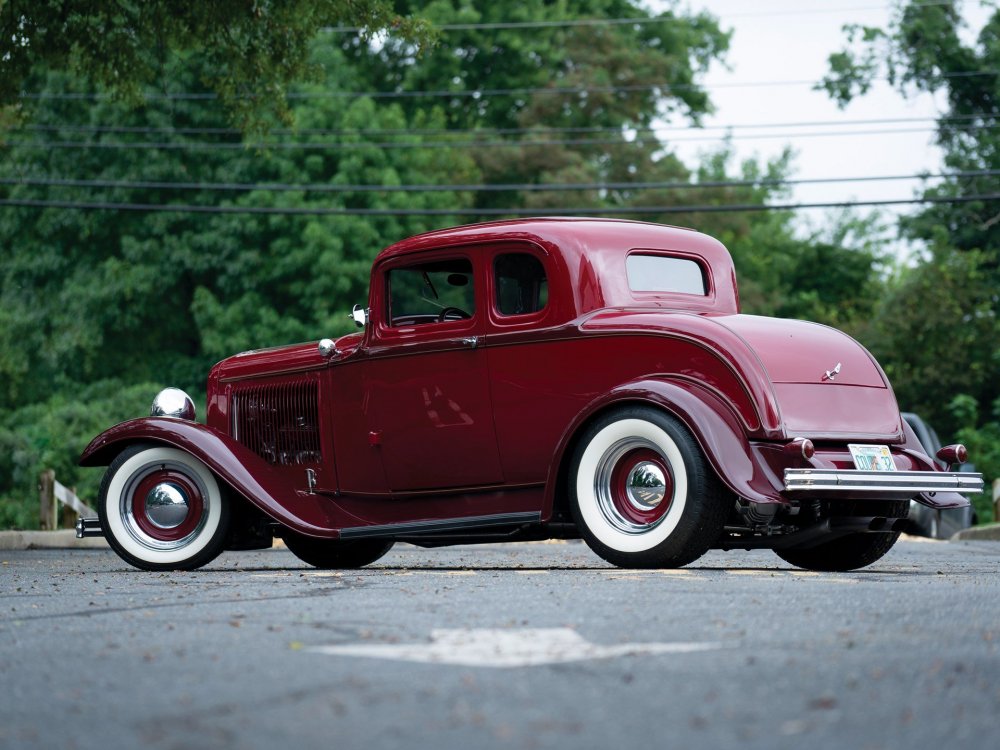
pixel 662 273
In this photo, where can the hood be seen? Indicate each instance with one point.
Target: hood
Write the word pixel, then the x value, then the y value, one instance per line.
pixel 279 359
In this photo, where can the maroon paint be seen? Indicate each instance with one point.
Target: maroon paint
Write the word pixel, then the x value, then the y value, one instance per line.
pixel 619 487
pixel 243 470
pixel 196 505
pixel 417 424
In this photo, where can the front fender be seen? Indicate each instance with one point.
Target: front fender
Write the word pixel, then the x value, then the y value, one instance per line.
pixel 243 470
pixel 717 429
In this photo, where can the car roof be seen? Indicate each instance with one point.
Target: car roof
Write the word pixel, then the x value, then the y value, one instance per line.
pixel 591 250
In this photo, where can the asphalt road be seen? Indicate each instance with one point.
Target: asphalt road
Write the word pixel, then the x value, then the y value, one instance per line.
pixel 518 646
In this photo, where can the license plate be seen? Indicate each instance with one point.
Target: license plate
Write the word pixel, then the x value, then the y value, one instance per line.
pixel 872 457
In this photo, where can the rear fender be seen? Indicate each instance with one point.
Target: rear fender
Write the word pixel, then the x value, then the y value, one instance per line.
pixel 711 420
pixel 244 471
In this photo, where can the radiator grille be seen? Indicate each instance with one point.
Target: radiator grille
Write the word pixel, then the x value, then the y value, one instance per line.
pixel 278 422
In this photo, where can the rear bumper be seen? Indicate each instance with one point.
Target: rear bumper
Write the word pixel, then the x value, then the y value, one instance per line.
pixel 889 483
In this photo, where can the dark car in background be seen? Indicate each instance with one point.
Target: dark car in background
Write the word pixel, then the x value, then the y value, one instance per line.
pixel 937 523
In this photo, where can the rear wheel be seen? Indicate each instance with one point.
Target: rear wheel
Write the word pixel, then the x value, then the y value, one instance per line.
pixel 333 553
pixel 847 552
pixel 642 494
pixel 161 509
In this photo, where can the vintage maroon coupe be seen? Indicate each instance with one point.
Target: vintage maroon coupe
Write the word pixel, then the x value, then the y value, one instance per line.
pixel 525 380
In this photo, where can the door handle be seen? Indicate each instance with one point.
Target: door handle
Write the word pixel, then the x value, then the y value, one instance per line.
pixel 471 341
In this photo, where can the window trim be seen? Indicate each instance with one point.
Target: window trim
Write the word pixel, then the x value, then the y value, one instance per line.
pixel 499 322
pixel 386 332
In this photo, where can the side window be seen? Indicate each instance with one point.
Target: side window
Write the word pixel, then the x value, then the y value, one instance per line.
pixel 521 286
pixel 661 273
pixel 433 292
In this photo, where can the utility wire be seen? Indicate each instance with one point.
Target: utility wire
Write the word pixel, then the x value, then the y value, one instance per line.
pixel 479 93
pixel 576 22
pixel 541 130
pixel 472 188
pixel 578 211
pixel 340 146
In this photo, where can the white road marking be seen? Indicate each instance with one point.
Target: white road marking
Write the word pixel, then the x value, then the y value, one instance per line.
pixel 526 647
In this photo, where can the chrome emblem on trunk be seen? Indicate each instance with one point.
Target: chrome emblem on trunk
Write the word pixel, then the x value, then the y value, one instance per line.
pixel 831 374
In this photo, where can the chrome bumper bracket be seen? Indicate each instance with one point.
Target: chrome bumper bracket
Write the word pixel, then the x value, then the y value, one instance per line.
pixel 86 527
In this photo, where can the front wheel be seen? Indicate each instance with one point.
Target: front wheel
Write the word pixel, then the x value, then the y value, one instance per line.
pixel 332 554
pixel 161 509
pixel 642 493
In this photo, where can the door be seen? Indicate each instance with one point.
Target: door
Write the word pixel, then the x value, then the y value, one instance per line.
pixel 426 376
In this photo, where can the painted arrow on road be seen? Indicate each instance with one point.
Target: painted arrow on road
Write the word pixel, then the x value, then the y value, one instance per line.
pixel 527 647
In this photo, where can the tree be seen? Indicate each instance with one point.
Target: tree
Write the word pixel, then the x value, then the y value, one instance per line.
pixel 937 330
pixel 252 49
pixel 606 83
pixel 99 309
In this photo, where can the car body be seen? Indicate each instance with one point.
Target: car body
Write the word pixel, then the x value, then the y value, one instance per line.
pixel 926 520
pixel 525 380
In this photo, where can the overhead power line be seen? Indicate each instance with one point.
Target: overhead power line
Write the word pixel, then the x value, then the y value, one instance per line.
pixel 502 187
pixel 540 130
pixel 577 211
pixel 500 143
pixel 642 20
pixel 479 93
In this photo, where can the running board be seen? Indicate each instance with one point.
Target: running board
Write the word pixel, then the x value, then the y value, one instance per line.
pixel 417 528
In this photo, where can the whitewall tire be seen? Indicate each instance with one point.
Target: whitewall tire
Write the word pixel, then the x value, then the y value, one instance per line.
pixel 642 494
pixel 162 509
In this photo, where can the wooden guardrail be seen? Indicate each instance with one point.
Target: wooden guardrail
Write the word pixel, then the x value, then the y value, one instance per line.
pixel 996 500
pixel 51 495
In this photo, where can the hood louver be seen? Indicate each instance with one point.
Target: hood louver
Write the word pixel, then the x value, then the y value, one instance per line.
pixel 279 422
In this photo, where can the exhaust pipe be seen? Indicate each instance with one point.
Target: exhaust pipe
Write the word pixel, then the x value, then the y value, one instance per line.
pixel 88 527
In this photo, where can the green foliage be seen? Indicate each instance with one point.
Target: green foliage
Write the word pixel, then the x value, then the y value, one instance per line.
pixel 982 437
pixel 93 302
pixel 933 334
pixel 51 434
pixel 937 328
pixel 834 277
pixel 633 73
pixel 251 51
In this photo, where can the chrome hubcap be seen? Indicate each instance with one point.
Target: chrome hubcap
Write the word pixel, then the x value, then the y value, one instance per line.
pixel 646 486
pixel 166 506
pixel 632 492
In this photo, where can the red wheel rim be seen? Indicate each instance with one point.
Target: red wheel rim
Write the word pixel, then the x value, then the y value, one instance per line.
pixel 631 508
pixel 187 488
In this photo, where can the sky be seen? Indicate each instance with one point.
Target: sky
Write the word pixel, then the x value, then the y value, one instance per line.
pixel 790 40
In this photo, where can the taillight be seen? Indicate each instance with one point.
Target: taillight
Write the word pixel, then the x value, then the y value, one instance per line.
pixel 954 454
pixel 800 447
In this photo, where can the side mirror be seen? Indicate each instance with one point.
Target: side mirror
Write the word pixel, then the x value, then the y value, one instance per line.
pixel 360 316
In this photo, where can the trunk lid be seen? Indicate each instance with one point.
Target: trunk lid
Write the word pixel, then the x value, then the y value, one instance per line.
pixel 827 385
pixel 793 351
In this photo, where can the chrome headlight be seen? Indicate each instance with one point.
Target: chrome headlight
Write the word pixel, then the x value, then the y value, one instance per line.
pixel 173 402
